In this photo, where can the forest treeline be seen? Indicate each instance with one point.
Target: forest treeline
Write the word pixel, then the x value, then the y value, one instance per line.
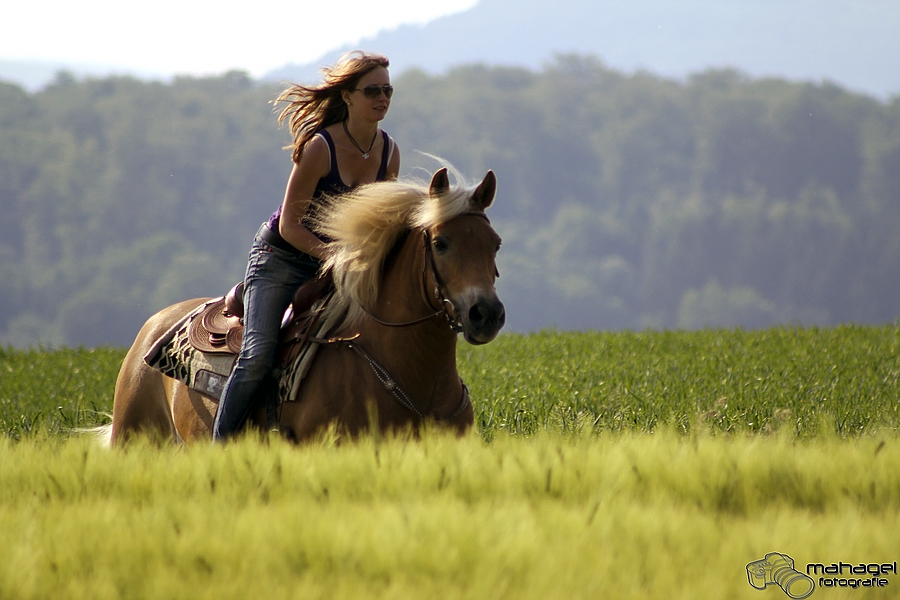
pixel 626 200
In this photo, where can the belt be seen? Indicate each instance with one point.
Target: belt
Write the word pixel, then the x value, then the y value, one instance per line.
pixel 273 238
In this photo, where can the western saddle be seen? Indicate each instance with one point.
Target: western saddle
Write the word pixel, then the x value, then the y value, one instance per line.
pixel 219 327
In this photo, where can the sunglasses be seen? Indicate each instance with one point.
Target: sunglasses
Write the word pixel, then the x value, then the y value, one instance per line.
pixel 374 91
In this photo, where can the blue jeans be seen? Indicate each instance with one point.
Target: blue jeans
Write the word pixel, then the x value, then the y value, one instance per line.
pixel 272 277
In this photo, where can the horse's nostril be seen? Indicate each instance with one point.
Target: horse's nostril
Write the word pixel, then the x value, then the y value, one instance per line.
pixel 477 314
pixel 483 314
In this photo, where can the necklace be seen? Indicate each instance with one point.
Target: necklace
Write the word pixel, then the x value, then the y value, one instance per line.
pixel 365 153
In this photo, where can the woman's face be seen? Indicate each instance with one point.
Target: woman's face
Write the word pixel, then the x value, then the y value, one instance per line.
pixel 369 100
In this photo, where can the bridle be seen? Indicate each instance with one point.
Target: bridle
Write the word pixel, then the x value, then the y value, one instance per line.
pixel 447 308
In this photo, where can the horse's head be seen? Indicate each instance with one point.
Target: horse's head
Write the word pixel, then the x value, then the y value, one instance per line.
pixel 464 251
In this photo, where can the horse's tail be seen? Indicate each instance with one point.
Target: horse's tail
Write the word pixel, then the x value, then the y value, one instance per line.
pixel 102 434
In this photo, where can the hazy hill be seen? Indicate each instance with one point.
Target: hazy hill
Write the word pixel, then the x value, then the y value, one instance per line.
pixel 854 43
pixel 36 74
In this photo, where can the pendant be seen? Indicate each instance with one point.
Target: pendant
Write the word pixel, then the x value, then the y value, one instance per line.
pixel 366 155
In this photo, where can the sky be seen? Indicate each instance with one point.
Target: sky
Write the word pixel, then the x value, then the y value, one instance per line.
pixel 200 37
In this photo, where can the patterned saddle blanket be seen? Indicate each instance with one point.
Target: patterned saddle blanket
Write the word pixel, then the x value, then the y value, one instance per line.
pixel 201 349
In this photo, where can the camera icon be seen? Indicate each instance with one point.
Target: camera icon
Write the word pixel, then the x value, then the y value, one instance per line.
pixel 779 569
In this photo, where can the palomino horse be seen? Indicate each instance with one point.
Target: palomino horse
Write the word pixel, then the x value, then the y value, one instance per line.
pixel 413 265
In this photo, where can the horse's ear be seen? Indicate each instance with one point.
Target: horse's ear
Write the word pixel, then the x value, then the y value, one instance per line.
pixel 484 193
pixel 440 183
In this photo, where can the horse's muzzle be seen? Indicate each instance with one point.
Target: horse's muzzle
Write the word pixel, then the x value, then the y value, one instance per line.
pixel 483 320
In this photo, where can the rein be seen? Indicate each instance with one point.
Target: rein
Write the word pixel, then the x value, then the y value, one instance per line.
pixel 388 382
pixel 397 392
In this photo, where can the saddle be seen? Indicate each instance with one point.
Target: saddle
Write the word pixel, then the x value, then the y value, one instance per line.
pixel 219 327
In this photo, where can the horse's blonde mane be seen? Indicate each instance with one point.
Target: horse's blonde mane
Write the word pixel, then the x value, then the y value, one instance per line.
pixel 365 224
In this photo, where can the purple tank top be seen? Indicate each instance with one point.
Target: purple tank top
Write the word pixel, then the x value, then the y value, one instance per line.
pixel 331 184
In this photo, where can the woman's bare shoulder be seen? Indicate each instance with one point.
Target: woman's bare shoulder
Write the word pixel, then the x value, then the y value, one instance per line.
pixel 316 155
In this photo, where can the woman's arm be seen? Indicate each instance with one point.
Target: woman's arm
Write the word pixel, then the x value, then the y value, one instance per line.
pixel 315 162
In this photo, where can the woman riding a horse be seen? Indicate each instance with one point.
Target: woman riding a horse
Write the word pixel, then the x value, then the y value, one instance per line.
pixel 337 147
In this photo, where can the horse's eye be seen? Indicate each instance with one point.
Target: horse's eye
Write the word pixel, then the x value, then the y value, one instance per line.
pixel 441 245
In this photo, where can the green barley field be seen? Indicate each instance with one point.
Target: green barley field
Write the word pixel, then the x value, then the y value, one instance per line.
pixel 603 465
